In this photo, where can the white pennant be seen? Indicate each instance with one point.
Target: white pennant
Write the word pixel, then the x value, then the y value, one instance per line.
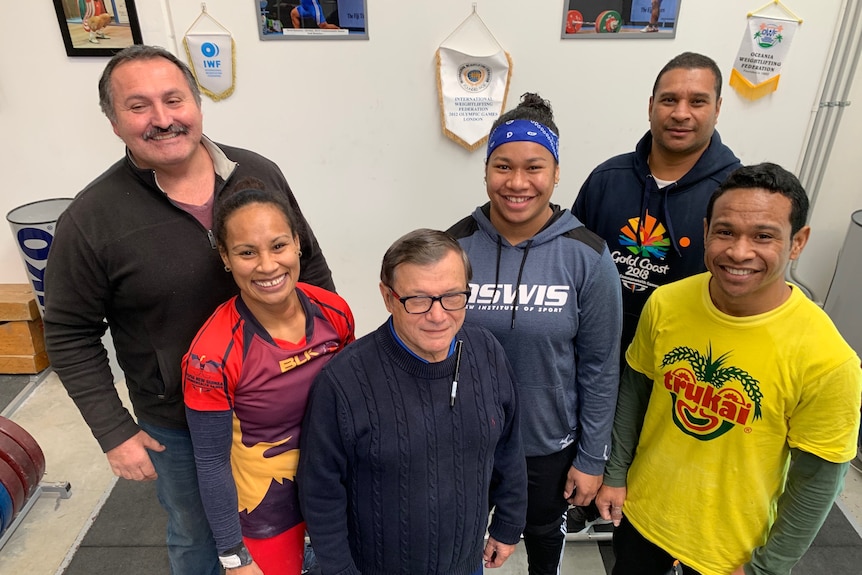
pixel 473 73
pixel 211 52
pixel 761 55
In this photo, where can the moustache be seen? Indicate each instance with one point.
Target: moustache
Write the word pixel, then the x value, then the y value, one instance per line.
pixel 172 129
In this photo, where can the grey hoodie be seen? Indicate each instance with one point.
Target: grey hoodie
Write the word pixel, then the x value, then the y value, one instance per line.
pixel 554 303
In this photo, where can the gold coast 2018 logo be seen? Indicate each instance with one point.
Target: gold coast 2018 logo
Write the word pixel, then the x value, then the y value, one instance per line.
pixel 708 397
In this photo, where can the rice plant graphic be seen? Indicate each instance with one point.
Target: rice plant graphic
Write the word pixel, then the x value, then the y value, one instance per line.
pixel 714 372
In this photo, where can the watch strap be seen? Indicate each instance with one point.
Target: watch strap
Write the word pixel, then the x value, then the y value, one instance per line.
pixel 237 556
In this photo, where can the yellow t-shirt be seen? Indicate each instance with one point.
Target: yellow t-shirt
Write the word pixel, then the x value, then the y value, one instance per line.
pixel 730 397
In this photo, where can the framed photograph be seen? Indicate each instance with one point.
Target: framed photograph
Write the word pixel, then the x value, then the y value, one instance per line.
pixel 312 19
pixel 641 19
pixel 98 27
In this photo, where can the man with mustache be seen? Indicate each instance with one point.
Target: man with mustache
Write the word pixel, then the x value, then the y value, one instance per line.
pixel 135 252
pixel 648 205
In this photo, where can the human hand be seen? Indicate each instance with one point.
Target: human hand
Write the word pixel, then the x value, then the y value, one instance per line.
pixel 130 459
pixel 610 503
pixel 738 571
pixel 581 488
pixel 496 553
pixel 250 569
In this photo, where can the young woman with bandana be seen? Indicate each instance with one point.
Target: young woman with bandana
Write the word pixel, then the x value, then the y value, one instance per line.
pixel 548 289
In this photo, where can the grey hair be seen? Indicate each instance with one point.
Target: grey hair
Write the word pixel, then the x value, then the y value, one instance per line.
pixel 421 247
pixel 131 54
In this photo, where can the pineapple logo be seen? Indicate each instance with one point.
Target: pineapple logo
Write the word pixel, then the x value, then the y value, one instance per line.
pixel 702 406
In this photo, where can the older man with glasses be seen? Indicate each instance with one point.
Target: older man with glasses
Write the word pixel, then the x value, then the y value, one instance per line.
pixel 411 435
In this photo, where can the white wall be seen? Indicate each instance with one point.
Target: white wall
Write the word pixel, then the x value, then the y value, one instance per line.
pixel 355 124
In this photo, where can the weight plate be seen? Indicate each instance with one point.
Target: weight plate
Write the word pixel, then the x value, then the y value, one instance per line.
pixel 6 509
pixel 27 442
pixel 609 21
pixel 20 462
pixel 9 479
pixel 574 21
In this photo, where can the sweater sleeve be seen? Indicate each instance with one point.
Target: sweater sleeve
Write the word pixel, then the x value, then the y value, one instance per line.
pixel 812 486
pixel 322 477
pixel 76 289
pixel 508 494
pixel 635 390
pixel 211 433
pixel 597 348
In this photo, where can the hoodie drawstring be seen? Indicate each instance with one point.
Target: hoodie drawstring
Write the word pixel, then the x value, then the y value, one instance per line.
pixel 518 284
pixel 650 187
pixel 667 221
pixel 520 275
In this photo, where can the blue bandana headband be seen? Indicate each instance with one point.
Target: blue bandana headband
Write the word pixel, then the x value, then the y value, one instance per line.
pixel 524 131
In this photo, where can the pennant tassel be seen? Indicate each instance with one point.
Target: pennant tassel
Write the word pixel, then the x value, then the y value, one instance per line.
pixel 752 91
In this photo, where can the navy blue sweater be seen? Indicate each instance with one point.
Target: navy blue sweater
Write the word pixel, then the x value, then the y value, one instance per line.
pixel 394 480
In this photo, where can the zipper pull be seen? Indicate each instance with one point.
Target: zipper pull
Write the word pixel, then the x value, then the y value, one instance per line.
pixel 212 239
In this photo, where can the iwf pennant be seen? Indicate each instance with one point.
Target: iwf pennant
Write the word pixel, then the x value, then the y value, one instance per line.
pixel 212 56
pixel 473 73
pixel 764 48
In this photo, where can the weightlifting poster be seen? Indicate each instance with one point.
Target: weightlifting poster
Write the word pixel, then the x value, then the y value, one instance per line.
pixel 607 19
pixel 210 50
pixel 473 73
pixel 764 47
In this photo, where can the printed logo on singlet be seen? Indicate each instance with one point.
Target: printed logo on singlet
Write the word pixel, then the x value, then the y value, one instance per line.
pixel 203 373
pixel 299 359
pixel 709 397
pixel 281 457
pixel 528 298
pixel 635 261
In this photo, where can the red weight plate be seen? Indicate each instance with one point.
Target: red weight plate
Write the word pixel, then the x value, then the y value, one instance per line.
pixel 26 441
pixel 20 462
pixel 12 483
pixel 574 21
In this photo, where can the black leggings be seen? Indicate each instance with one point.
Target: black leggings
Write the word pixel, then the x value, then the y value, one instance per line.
pixel 545 534
pixel 636 555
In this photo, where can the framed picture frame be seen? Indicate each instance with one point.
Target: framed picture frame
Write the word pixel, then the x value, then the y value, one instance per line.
pixel 312 19
pixel 620 19
pixel 98 27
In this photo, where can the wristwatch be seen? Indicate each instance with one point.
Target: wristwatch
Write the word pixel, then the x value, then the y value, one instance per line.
pixel 237 556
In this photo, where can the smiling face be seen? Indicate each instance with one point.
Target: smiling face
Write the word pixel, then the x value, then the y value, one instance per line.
pixel 520 179
pixel 262 252
pixel 748 246
pixel 429 335
pixel 157 116
pixel 683 112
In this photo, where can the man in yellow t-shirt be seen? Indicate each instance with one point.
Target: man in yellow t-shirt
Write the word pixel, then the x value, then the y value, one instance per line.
pixel 738 410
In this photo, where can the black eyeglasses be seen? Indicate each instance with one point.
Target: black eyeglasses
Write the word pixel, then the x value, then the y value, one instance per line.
pixel 417 304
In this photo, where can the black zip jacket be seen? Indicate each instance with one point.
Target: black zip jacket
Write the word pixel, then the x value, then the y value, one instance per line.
pixel 125 257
